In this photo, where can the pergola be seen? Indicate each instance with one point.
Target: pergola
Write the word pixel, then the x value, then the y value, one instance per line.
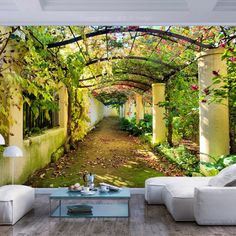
pixel 145 68
pixel 136 60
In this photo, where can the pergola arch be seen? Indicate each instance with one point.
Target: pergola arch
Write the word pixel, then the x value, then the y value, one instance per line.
pixel 123 73
pixel 94 61
pixel 129 81
pixel 141 90
pixel 162 34
pixel 154 32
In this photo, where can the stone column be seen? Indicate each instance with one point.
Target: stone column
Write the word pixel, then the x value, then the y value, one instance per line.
pixel 12 99
pixel 139 108
pixel 63 106
pixel 16 117
pixel 121 111
pixel 159 124
pixel 214 117
pixel 126 110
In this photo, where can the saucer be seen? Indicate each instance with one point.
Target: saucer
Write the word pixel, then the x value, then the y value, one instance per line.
pixel 87 192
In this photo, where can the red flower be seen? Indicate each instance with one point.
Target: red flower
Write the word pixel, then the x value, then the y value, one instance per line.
pixel 206 91
pixel 94 94
pixel 194 87
pixel 222 44
pixel 215 73
pixel 232 59
pixel 204 100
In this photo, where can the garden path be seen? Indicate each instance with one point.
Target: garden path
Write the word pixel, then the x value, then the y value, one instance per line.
pixel 112 155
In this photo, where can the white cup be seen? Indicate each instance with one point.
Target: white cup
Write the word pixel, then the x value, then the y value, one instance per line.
pixel 103 188
pixel 86 189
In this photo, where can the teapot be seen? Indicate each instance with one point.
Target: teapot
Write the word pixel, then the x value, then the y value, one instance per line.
pixel 89 180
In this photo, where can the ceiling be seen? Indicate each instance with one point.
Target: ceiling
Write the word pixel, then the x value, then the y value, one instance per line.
pixel 117 12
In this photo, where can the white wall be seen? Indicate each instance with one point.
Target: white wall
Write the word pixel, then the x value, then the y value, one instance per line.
pixel 96 111
pixel 110 111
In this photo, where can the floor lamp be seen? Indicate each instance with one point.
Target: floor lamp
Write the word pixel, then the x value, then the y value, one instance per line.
pixel 13 152
pixel 2 140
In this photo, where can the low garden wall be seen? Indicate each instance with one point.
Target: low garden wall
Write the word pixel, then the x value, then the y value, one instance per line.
pixel 38 149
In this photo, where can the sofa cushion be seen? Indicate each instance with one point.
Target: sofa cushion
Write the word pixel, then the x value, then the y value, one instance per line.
pixel 155 186
pixel 179 201
pixel 11 192
pixel 15 202
pixel 215 205
pixel 225 177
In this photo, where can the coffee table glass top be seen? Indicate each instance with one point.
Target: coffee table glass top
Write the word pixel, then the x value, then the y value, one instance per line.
pixel 64 193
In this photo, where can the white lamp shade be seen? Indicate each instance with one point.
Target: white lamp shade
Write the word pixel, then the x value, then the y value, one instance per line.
pixel 12 151
pixel 2 140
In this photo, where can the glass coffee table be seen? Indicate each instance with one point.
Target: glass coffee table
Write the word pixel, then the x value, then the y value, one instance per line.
pixel 114 209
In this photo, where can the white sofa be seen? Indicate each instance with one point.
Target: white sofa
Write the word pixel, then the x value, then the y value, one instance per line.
pixel 15 202
pixel 206 200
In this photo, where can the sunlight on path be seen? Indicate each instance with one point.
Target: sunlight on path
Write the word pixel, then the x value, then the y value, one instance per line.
pixel 112 155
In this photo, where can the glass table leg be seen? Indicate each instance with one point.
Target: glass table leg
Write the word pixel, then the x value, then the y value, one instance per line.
pixel 128 207
pixel 60 207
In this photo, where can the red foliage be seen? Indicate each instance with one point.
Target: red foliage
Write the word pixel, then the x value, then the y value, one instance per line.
pixel 194 87
pixel 206 91
pixel 222 44
pixel 232 59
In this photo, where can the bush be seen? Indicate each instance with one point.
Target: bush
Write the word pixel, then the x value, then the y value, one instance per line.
pixel 213 168
pixel 124 124
pixel 147 137
pixel 144 126
pixel 181 156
